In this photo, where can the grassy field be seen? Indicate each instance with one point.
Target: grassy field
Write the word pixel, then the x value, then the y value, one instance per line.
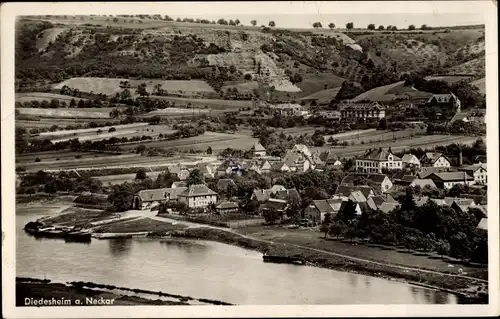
pixel 126 130
pixel 400 144
pixel 111 86
pixel 481 85
pixel 205 103
pixel 78 216
pixel 371 136
pixel 297 131
pixel 74 160
pixel 44 96
pixel 82 113
pixel 314 239
pixel 48 122
pixel 390 92
pixel 122 178
pixel 324 96
pixel 218 141
pixel 140 225
pixel 450 79
pixel 242 87
pixel 312 83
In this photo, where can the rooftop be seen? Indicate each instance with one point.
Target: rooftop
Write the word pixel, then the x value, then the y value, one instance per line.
pixel 159 194
pixel 453 176
pixel 379 154
pixel 197 190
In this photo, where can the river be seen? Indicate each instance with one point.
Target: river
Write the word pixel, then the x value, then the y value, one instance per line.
pixel 203 270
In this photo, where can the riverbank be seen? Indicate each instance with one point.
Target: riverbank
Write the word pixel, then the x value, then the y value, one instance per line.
pixel 37 292
pixel 468 290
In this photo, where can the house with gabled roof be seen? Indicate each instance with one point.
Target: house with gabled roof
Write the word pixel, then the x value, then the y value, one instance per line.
pixel 198 196
pixel 229 167
pixel 297 162
pixel 425 171
pixel 435 159
pixel 410 160
pixel 258 149
pixel 280 167
pixel 379 182
pixel 149 198
pixel 181 171
pixel 301 149
pixel 374 160
pixel 319 208
pixel 449 179
pixel 478 171
pixel 367 112
pixel 330 160
pixel 445 99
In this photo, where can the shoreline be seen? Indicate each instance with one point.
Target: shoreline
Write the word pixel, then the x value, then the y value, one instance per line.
pixel 422 278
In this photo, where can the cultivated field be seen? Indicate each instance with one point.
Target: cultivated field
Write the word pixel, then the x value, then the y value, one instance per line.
pixel 217 141
pixel 371 136
pixel 44 96
pixel 47 122
pixel 83 113
pixel 122 178
pixel 427 141
pixel 297 131
pixel 100 133
pixel 324 96
pixel 111 86
pixel 206 103
pixel 450 79
pixel 312 83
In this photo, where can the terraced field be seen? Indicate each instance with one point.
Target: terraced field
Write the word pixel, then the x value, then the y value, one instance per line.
pixel 427 141
pixel 217 141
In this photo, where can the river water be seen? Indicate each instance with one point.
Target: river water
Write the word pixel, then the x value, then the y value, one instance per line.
pixel 204 270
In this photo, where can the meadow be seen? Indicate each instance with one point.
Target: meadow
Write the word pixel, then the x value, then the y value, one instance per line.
pixel 44 96
pixel 206 103
pixel 82 113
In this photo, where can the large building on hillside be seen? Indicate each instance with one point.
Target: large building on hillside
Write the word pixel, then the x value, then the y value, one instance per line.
pixel 362 112
pixel 374 160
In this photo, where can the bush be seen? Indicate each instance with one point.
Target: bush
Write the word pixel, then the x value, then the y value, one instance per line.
pixel 37 160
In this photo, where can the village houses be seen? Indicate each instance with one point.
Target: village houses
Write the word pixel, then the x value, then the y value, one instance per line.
pixel 258 150
pixel 150 198
pixel 435 159
pixel 409 160
pixel 449 179
pixel 374 160
pixel 478 171
pixel 362 112
pixel 379 182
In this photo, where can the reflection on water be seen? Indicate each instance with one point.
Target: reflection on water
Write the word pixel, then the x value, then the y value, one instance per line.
pixel 205 270
pixel 119 246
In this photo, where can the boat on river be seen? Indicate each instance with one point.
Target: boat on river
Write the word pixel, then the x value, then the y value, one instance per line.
pixel 69 234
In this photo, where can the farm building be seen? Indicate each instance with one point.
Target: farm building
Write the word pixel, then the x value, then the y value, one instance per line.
pixel 449 179
pixel 374 160
pixel 478 171
pixel 149 198
pixel 226 207
pixel 319 208
pixel 435 159
pixel 362 112
pixel 196 196
pixel 425 171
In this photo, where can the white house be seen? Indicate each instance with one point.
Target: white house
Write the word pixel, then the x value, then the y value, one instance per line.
pixel 198 196
pixel 379 182
pixel 478 171
pixel 297 162
pixel 301 149
pixel 435 160
pixel 410 160
pixel 374 160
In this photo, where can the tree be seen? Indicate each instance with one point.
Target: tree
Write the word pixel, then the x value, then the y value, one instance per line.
pixel 349 25
pixel 394 28
pixel 371 26
pixel 411 27
pixel 460 246
pixel 381 27
pixel 317 25
pixel 253 22
pixel 111 130
pixel 347 212
pixel 222 22
pixel 337 229
pixel 122 200
pixel 237 21
pixel 352 229
pixel 195 177
pixel 54 103
pixel 272 24
pixel 209 150
pixel 140 149
pixel 271 215
pixel 382 124
pixel 141 90
pixel 331 25
pixel 141 174
pixel 424 27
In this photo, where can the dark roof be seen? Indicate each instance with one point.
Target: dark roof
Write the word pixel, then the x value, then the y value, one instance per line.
pixel 323 206
pixel 180 184
pixel 409 178
pixel 375 178
pixel 227 205
pixel 452 176
pixel 443 98
pixel 273 203
pixel 426 171
pixel 257 147
pixel 432 157
pixel 378 154
pixel 197 190
pixel 158 194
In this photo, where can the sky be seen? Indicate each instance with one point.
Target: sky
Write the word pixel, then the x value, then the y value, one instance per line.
pixel 302 14
pixel 340 20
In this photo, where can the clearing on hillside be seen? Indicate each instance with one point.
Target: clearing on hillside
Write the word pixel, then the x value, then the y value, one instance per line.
pixel 48 36
pixel 44 96
pixel 450 79
pixel 111 86
pixel 312 83
pixel 390 92
pixel 322 97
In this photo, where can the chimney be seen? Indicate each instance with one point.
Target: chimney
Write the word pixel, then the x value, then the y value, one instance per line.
pixel 460 160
